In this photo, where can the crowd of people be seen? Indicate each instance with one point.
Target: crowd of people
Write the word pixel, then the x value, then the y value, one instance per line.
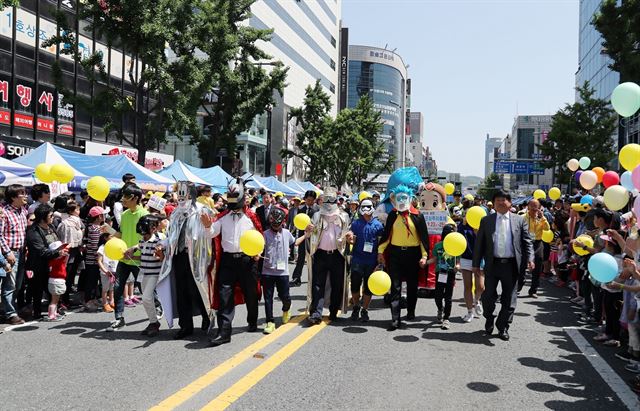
pixel 184 257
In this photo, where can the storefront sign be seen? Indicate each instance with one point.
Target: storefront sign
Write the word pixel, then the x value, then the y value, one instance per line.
pixel 153 160
pixel 13 147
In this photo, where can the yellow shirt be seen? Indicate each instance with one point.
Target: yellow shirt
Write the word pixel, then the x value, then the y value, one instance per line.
pixel 207 201
pixel 537 226
pixel 401 238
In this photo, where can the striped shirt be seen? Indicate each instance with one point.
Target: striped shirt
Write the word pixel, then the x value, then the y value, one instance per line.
pixel 149 263
pixel 91 243
pixel 13 228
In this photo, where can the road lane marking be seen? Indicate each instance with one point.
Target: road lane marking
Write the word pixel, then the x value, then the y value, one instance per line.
pixel 617 384
pixel 243 385
pixel 210 377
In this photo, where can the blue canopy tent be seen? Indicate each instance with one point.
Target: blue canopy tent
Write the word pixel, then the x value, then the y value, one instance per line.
pixel 273 184
pixel 15 173
pixel 295 185
pixel 215 176
pixel 85 166
pixel 307 185
pixel 180 171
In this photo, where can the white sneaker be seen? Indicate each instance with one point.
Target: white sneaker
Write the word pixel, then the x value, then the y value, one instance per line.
pixel 479 309
pixel 468 317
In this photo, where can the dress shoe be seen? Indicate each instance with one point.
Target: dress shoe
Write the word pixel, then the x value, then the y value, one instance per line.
pixel 16 320
pixel 395 325
pixel 295 283
pixel 252 328
pixel 206 322
pixel 333 316
pixel 182 332
pixel 410 316
pixel 314 320
pixel 504 335
pixel 219 340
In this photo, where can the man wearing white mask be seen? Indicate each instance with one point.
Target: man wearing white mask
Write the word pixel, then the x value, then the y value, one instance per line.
pixel 327 247
pixel 404 247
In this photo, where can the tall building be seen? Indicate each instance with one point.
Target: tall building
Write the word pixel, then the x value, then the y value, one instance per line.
pixel 305 38
pixel 30 106
pixel 593 66
pixel 491 148
pixel 382 75
pixel 526 174
pixel 415 152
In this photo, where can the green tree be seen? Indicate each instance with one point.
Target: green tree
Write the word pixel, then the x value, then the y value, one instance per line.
pixel 489 186
pixel 242 88
pixel 7 3
pixel 619 26
pixel 313 142
pixel 583 128
pixel 166 92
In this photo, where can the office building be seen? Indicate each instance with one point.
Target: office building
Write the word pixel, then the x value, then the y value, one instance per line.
pixel 593 66
pixel 491 149
pixel 415 152
pixel 382 75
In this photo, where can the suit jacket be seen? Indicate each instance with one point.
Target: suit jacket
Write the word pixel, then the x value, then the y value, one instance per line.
pixel 418 222
pixel 261 212
pixel 521 241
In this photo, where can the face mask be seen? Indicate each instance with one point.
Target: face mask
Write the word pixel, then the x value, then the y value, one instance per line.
pixel 328 208
pixel 366 208
pixel 403 202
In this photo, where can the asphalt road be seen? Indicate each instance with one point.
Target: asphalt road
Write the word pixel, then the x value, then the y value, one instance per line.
pixel 75 364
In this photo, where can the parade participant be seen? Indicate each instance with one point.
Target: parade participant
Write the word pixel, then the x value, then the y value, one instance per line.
pixel 309 208
pixel 504 243
pixel 327 246
pixel 353 209
pixel 233 267
pixel 363 235
pixel 407 239
pixel 537 224
pixel 407 176
pixel 446 271
pixel 131 197
pixel 13 227
pixel 183 283
pixel 431 200
pixel 275 271
pixel 466 267
pixel 457 202
pixel 150 265
pixel 375 196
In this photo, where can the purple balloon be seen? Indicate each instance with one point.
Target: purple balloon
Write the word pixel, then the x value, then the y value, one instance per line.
pixel 578 174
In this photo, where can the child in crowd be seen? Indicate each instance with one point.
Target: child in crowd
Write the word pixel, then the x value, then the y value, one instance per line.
pixel 275 271
pixel 611 299
pixel 57 279
pixel 150 265
pixel 446 271
pixel 107 274
pixel 95 220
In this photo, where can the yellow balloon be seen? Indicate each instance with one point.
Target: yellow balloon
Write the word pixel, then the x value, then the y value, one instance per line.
pixel 616 197
pixel 449 188
pixel 468 197
pixel 379 283
pixel 363 195
pixel 629 156
pixel 474 215
pixel 539 194
pixel 586 240
pixel 252 243
pixel 62 173
pixel 555 193
pixel 455 244
pixel 115 248
pixel 547 236
pixel 301 221
pixel 98 188
pixel 43 173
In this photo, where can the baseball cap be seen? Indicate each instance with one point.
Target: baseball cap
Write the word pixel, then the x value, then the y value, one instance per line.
pixel 96 211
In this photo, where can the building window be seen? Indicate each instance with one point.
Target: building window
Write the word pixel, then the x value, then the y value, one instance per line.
pixel 332 88
pixel 332 64
pixel 333 41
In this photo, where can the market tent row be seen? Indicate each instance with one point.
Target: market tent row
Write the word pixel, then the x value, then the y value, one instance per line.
pixel 216 177
pixel 15 173
pixel 86 166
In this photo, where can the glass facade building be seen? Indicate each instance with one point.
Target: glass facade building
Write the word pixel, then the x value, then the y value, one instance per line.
pixel 593 66
pixel 381 75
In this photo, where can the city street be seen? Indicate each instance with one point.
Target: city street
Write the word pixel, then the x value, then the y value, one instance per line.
pixel 549 363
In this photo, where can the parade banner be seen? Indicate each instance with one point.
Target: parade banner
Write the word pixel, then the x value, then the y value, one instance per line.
pixel 436 220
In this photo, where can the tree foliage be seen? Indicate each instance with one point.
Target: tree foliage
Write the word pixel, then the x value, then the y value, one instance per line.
pixel 166 92
pixel 489 186
pixel 242 88
pixel 619 25
pixel 339 151
pixel 584 128
pixel 8 3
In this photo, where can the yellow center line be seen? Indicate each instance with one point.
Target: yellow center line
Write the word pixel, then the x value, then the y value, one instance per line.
pixel 243 385
pixel 210 377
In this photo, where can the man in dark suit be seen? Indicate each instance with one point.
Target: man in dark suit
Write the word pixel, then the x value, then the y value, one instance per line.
pixel 263 211
pixel 504 243
pixel 309 208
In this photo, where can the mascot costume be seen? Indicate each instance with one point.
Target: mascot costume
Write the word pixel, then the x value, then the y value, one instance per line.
pixel 187 255
pixel 433 206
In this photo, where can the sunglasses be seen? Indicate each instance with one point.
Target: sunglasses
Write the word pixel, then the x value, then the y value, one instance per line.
pixel 330 200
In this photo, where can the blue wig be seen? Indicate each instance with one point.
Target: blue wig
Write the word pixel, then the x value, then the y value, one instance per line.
pixel 402 189
pixel 408 176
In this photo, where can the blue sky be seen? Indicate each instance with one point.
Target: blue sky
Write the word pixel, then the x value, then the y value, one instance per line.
pixel 474 64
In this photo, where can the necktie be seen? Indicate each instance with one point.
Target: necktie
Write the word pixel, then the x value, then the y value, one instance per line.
pixel 502 237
